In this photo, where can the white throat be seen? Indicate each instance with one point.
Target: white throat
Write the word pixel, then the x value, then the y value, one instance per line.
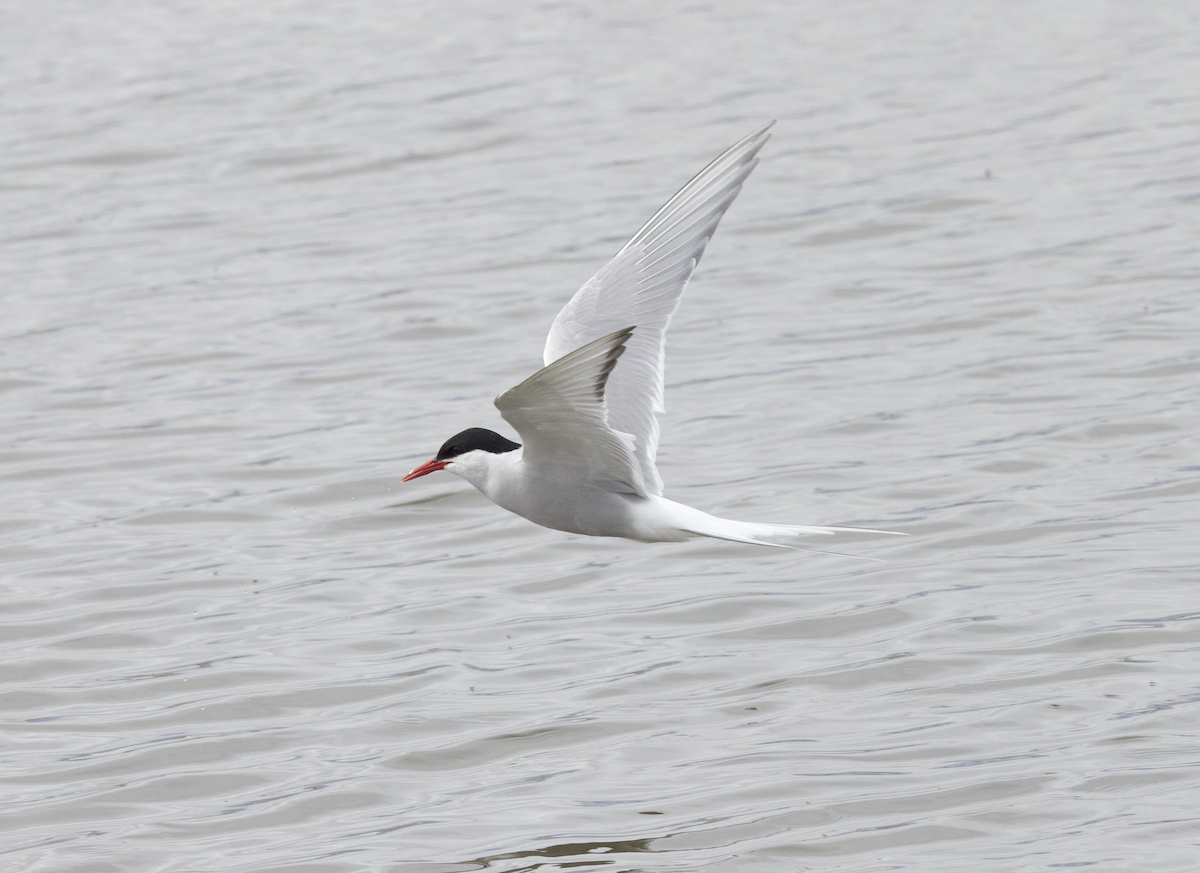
pixel 487 471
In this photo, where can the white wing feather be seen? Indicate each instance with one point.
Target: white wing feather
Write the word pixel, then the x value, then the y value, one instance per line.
pixel 560 414
pixel 642 287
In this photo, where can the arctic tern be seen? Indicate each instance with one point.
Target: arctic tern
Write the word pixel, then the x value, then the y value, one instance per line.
pixel 588 419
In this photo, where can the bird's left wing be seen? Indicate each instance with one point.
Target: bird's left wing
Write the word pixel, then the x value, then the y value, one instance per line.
pixel 642 286
pixel 562 418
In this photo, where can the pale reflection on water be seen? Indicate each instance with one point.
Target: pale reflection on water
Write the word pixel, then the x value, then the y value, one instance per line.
pixel 259 261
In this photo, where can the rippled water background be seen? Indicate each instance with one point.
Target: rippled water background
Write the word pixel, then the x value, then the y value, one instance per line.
pixel 258 260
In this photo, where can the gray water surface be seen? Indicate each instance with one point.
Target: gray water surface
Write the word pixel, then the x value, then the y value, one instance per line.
pixel 259 260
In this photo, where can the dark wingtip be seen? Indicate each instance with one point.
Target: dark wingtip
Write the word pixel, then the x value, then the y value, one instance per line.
pixel 610 361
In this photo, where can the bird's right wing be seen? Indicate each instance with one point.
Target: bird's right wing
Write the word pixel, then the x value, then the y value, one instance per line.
pixel 642 286
pixel 562 418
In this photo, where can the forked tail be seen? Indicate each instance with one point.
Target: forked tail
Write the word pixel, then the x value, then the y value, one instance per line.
pixel 697 523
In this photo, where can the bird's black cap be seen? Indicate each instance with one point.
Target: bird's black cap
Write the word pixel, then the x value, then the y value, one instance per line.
pixel 475 438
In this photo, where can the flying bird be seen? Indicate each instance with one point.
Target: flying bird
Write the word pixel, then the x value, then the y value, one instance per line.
pixel 588 420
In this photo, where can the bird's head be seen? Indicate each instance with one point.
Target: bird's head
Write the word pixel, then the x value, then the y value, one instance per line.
pixel 465 450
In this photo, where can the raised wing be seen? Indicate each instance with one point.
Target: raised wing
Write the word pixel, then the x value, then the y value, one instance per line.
pixel 560 414
pixel 642 286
